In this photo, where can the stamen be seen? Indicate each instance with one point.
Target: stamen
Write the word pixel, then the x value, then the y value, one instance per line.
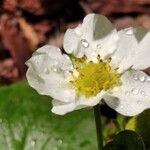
pixel 91 78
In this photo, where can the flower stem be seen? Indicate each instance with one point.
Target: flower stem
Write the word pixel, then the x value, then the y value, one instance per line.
pixel 97 114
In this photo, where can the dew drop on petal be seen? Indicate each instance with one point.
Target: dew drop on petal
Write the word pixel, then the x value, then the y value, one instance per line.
pixel 142 92
pixel 121 107
pixel 127 93
pixel 77 31
pixel 71 68
pixel 37 61
pixel 142 78
pixel 136 78
pixel 46 71
pixel 67 57
pixel 58 49
pixel 130 31
pixel 54 69
pixel 145 96
pixel 148 79
pixel 98 46
pixel 84 43
pixel 135 91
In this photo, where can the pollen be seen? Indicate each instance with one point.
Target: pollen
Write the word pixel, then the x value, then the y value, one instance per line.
pixel 94 77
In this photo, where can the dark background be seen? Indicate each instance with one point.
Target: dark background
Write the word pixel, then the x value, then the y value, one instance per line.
pixel 26 25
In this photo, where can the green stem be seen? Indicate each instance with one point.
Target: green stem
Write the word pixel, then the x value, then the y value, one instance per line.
pixel 97 114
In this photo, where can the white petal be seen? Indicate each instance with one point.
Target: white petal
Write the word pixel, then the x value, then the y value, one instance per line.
pixel 72 40
pixel 101 35
pixel 82 102
pixel 133 96
pixel 53 56
pixel 132 49
pixel 61 108
pixel 52 51
pixel 97 36
pixel 142 58
pixel 127 46
pixel 47 73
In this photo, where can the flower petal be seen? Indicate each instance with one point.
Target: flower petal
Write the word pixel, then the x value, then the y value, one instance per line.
pixel 82 102
pixel 95 36
pixel 47 73
pixel 72 40
pixel 132 49
pixel 61 108
pixel 142 58
pixel 133 96
pixel 101 35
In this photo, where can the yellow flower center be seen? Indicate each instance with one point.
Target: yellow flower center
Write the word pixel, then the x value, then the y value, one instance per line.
pixel 94 77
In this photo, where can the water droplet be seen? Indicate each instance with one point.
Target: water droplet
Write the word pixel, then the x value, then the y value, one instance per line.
pixel 121 107
pixel 85 43
pixel 71 68
pixel 67 57
pixel 58 50
pixel 145 96
pixel 54 69
pixel 135 91
pixel 136 78
pixel 142 92
pixel 127 93
pixel 33 142
pixel 148 79
pixel 59 141
pixel 46 70
pixel 130 31
pixel 142 78
pixel 77 31
pixel 98 46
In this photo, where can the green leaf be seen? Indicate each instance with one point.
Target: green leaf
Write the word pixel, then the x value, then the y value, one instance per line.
pixel 126 140
pixel 26 123
pixel 141 124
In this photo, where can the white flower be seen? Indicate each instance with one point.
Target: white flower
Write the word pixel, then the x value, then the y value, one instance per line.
pixel 103 64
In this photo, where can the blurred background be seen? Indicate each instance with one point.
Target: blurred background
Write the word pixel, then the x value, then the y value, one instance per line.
pixel 26 25
pixel 26 122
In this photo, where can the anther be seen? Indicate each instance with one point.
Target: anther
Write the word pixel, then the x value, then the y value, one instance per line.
pixel 109 59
